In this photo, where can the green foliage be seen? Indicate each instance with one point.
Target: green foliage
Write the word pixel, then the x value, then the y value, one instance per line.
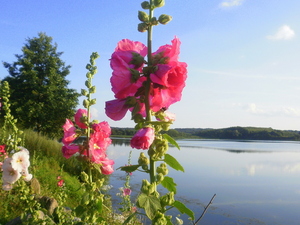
pixel 172 162
pixel 169 184
pixel 183 209
pixel 248 133
pixel 150 203
pixel 40 98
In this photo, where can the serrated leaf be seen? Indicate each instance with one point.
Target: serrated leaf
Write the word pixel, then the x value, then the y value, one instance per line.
pixel 171 140
pixel 172 162
pixel 130 168
pixel 150 204
pixel 183 209
pixel 169 184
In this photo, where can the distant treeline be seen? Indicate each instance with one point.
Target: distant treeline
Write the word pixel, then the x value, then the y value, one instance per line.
pixel 242 133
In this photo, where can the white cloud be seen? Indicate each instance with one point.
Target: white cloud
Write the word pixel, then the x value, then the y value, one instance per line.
pixel 230 3
pixel 284 33
pixel 282 111
pixel 94 113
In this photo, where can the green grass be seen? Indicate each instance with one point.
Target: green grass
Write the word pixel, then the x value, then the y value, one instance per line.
pixel 47 162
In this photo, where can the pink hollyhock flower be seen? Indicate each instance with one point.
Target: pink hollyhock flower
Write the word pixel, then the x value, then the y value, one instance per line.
pixel 126 191
pixel 143 138
pixel 69 132
pixel 80 113
pixel 60 183
pixel 170 52
pixel 122 81
pixel 116 109
pixel 171 81
pixel 2 148
pixel 9 175
pixel 100 137
pixel 69 150
pixel 107 166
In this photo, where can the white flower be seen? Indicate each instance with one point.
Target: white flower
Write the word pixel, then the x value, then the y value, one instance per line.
pixel 20 160
pixel 10 175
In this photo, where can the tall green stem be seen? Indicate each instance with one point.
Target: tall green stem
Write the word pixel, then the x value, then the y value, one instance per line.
pixel 147 104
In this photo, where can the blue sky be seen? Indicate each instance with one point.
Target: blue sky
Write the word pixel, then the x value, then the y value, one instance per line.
pixel 243 55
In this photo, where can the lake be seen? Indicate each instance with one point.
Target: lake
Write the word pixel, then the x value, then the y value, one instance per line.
pixel 255 182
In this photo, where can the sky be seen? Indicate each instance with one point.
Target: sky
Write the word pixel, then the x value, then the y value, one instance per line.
pixel 242 55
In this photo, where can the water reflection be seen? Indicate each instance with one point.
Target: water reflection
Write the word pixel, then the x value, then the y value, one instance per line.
pixel 255 182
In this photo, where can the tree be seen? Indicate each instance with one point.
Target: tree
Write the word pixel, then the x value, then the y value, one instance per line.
pixel 40 97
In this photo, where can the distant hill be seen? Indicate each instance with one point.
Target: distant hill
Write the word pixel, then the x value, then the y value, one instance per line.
pixel 241 133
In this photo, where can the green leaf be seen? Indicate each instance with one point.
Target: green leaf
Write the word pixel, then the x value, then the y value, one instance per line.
pixel 150 203
pixel 130 168
pixel 79 210
pixel 183 209
pixel 98 205
pixel 171 140
pixel 169 184
pixel 172 162
pixel 129 218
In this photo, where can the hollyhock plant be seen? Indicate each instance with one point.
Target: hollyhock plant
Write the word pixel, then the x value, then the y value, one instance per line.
pixel 143 138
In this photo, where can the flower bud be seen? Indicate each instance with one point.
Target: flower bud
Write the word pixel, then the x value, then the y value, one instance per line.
pixel 86 103
pixel 164 19
pixel 145 5
pixel 143 160
pixel 88 84
pixel 142 27
pixel 84 92
pixel 137 60
pixel 143 16
pixel 167 199
pixel 137 118
pixel 130 101
pixel 162 168
pixel 92 89
pixel 159 3
pixel 135 75
pixel 152 188
pixel 154 21
pixel 159 177
pixel 93 101
pixel 145 186
pixel 89 75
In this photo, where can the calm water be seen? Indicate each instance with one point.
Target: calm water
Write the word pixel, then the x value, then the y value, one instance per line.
pixel 256 182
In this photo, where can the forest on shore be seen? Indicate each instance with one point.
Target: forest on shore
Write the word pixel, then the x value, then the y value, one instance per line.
pixel 239 133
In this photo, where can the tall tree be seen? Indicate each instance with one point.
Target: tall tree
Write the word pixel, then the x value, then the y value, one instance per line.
pixel 40 97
